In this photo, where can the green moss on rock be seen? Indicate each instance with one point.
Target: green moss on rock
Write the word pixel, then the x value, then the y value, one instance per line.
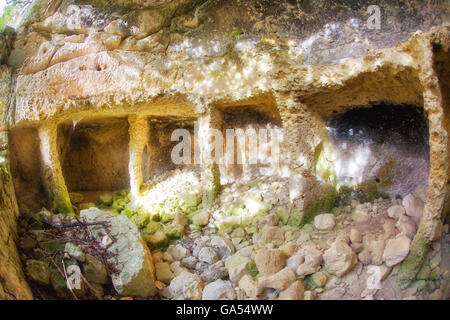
pixel 283 214
pixel 167 213
pixel 189 200
pixel 424 273
pixel 195 227
pixel 52 246
pixel 295 219
pixel 141 217
pixel 386 173
pixel 157 240
pixel 323 204
pixel 62 202
pixel 435 274
pixel 105 199
pixel 252 269
pixel 411 266
pixel 38 271
pixel 174 230
pixel 229 222
pixel 324 167
pixel 153 227
pixel 369 190
pixel 76 198
pixel 210 185
pixel 120 204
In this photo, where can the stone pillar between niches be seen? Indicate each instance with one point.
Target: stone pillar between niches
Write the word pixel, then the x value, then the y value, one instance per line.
pixel 430 225
pixel 304 131
pixel 305 144
pixel 51 171
pixel 210 176
pixel 139 134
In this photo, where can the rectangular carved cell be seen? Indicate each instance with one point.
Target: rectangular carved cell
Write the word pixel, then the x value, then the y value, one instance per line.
pixel 94 154
pixel 249 142
pixel 157 159
pixel 382 148
pixel 24 163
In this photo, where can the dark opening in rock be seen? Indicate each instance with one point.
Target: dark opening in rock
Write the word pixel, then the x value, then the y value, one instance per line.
pixel 157 159
pixel 385 148
pixel 94 154
pixel 25 169
pixel 249 119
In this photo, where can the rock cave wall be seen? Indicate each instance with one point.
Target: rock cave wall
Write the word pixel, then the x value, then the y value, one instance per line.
pixel 25 154
pixel 12 280
pixel 74 60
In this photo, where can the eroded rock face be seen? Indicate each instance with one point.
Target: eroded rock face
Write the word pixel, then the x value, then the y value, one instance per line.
pixel 413 207
pixel 237 267
pixel 396 250
pixel 396 211
pixel 280 280
pixel 361 214
pixel 270 261
pixel 133 260
pixel 324 222
pixel 186 286
pixel 406 226
pixel 12 280
pixel 271 234
pixel 83 39
pixel 86 60
pixel 38 271
pixel 178 252
pixel 294 292
pixel 218 290
pixel 306 260
pixel 249 286
pixel 339 259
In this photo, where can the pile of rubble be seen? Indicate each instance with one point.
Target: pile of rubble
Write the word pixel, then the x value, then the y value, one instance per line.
pixel 352 253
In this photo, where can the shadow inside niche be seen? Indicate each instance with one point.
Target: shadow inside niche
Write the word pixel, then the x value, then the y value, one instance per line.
pixel 25 159
pixel 258 126
pixel 157 158
pixel 386 146
pixel 94 154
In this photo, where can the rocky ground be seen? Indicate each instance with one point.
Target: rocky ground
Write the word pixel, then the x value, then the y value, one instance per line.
pixel 353 252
